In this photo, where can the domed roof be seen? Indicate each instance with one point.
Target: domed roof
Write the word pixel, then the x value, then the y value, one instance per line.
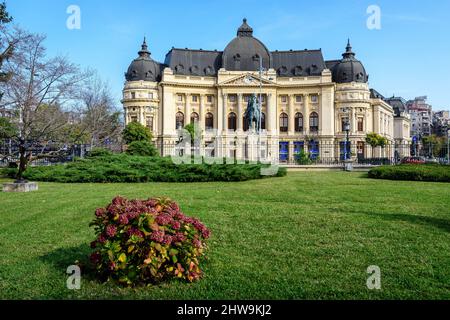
pixel 244 51
pixel 349 69
pixel 144 67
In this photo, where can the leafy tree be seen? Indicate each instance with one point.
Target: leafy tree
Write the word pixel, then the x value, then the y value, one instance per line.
pixel 7 129
pixel 136 132
pixel 375 140
pixel 142 148
pixel 194 131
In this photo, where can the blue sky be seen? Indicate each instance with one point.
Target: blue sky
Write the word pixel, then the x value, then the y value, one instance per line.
pixel 409 56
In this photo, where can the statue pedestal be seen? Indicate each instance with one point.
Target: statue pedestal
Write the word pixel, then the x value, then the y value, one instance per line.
pixel 252 146
pixel 348 165
pixel 20 187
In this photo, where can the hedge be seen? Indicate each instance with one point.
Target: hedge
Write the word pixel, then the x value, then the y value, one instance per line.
pixel 433 173
pixel 126 168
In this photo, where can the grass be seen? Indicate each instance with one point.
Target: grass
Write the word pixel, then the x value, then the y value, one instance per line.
pixel 309 235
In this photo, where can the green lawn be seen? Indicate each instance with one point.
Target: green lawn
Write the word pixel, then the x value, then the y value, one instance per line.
pixel 304 236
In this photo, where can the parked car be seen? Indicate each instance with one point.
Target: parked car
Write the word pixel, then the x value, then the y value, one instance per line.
pixel 413 160
pixel 431 160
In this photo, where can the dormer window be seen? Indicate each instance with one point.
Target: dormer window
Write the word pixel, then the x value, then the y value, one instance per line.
pixel 237 58
pixel 298 71
pixel 256 57
pixel 208 70
pixel 282 71
pixel 194 70
pixel 179 68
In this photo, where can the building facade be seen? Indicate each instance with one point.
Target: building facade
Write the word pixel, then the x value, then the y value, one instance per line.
pixel 305 100
pixel 441 123
pixel 421 117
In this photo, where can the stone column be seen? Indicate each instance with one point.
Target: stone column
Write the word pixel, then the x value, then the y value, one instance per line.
pixel 291 115
pixel 141 115
pixel 271 114
pixel 306 113
pixel 202 113
pixel 224 113
pixel 219 109
pixel 187 113
pixel 240 114
pixel 354 128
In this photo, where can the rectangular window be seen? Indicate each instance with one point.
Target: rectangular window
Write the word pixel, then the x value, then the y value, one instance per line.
pixel 298 99
pixel 232 98
pixel 195 99
pixel 180 98
pixel 246 98
pixel 314 98
pixel 133 95
pixel 133 118
pixel 149 123
pixel 209 99
pixel 150 95
pixel 360 124
pixel 283 99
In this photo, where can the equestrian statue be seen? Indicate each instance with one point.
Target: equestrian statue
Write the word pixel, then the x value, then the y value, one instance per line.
pixel 252 115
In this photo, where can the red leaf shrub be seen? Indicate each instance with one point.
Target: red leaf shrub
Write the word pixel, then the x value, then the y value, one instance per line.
pixel 147 241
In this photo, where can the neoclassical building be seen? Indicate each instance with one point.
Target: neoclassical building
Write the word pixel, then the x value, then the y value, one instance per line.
pixel 305 99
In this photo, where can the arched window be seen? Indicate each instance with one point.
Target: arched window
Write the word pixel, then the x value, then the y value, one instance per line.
pixel 298 122
pixel 194 117
pixel 232 121
pixel 314 122
pixel 179 124
pixel 263 121
pixel 284 122
pixel 209 121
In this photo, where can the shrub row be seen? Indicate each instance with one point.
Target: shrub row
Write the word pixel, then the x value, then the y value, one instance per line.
pixel 433 173
pixel 127 168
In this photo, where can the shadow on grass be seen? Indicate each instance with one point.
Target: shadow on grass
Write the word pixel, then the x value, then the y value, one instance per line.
pixel 61 258
pixel 439 223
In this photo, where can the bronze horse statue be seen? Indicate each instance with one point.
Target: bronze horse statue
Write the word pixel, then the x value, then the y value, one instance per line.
pixel 253 114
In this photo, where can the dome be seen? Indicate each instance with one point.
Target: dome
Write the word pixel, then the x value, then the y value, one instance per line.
pixel 244 51
pixel 144 67
pixel 349 69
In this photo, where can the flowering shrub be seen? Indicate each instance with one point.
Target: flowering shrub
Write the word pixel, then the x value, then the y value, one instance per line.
pixel 147 241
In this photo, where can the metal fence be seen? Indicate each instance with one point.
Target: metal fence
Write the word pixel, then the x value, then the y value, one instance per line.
pixel 10 154
pixel 314 152
pixel 284 152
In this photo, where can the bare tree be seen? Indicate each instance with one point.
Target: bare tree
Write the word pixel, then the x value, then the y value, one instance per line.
pixel 100 118
pixel 41 90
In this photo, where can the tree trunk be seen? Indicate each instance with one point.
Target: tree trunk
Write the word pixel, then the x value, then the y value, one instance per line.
pixel 23 161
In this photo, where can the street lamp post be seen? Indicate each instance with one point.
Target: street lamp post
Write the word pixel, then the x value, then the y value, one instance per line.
pixel 347 141
pixel 348 163
pixel 448 147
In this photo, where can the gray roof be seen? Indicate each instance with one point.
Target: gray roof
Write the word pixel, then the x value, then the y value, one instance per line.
pixel 298 63
pixel 398 104
pixel 374 94
pixel 331 64
pixel 194 62
pixel 244 51
pixel 144 67
pixel 349 69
